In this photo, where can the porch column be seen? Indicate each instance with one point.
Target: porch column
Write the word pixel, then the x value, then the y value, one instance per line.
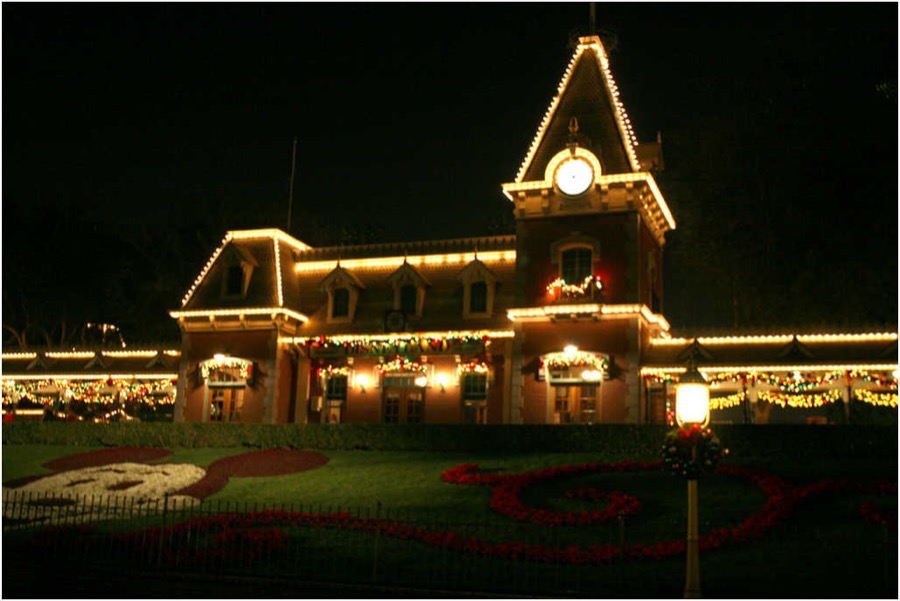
pixel 270 409
pixel 517 380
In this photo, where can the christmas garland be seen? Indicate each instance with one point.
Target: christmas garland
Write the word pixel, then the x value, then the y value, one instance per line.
pixel 678 451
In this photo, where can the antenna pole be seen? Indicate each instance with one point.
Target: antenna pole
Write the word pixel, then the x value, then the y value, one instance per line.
pixel 593 18
pixel 291 189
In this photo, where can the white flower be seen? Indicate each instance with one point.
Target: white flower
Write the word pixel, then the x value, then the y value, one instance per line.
pixel 116 490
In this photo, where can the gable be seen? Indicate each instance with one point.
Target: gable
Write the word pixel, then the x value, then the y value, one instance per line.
pixel 261 289
pixel 407 274
pixel 476 271
pixel 588 93
pixel 340 277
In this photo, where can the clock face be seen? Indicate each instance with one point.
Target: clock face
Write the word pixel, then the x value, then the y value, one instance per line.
pixel 574 176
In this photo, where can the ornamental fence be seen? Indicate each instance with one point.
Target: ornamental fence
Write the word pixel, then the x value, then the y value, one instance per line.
pixel 127 547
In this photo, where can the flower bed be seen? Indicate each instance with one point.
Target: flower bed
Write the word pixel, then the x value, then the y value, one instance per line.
pixel 244 536
pixel 107 483
pixel 782 499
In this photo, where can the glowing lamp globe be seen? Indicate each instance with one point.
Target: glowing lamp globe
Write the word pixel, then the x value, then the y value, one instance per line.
pixel 421 381
pixel 692 400
pixel 362 380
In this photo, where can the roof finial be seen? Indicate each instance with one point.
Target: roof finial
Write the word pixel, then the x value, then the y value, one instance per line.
pixel 573 134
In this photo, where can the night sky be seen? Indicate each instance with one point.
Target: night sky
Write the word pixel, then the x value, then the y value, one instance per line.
pixel 135 135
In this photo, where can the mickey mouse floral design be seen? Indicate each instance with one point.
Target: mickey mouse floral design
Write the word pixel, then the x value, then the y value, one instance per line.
pixel 116 482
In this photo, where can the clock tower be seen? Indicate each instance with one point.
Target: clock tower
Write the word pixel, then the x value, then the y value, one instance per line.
pixel 590 228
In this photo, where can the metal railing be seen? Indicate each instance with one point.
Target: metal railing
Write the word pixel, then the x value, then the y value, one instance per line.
pixel 300 547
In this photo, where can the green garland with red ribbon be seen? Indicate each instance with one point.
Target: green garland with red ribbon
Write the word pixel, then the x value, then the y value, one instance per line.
pixel 678 451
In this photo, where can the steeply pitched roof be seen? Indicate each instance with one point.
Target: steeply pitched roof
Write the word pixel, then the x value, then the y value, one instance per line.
pixel 271 284
pixel 589 93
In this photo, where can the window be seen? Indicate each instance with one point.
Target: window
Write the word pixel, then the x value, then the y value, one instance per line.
pixel 336 388
pixel 341 303
pixel 474 387
pixel 234 280
pixel 589 404
pixel 561 404
pixel 576 265
pixel 392 408
pixel 343 289
pixel 399 381
pixel 415 407
pixel 335 398
pixel 478 293
pixel 479 287
pixel 409 290
pixel 474 396
pixel 408 297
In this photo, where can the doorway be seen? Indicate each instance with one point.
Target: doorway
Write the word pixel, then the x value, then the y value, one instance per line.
pixel 576 404
pixel 403 405
pixel 226 404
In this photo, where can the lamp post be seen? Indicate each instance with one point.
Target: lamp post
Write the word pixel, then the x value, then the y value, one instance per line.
pixel 692 409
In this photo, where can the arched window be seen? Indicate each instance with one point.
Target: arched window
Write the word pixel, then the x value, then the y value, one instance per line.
pixel 576 264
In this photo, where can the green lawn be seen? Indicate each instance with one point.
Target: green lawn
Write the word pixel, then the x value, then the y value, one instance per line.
pixel 824 549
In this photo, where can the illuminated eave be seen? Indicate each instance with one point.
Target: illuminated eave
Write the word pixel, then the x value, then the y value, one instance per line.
pixel 96 377
pixel 135 354
pixel 70 355
pixel 26 356
pixel 278 284
pixel 602 180
pixel 275 235
pixel 750 369
pixel 87 355
pixel 239 313
pixel 777 339
pixel 205 269
pixel 548 312
pixel 488 257
pixel 622 120
pixel 271 233
pixel 340 338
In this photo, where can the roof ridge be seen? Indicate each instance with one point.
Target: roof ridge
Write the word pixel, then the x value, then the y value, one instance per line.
pixel 415 244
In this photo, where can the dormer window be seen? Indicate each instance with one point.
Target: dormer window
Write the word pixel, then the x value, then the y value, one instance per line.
pixel 409 290
pixel 342 288
pixel 408 298
pixel 234 280
pixel 479 285
pixel 478 297
pixel 238 269
pixel 340 304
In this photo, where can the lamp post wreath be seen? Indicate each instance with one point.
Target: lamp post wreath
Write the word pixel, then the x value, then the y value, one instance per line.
pixel 678 451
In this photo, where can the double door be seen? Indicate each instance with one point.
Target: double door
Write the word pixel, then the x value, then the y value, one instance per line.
pixel 576 404
pixel 225 404
pixel 403 405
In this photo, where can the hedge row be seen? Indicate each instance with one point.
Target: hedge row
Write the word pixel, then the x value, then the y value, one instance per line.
pixel 624 440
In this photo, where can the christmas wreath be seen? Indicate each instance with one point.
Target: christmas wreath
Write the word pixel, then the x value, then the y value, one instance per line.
pixel 678 451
